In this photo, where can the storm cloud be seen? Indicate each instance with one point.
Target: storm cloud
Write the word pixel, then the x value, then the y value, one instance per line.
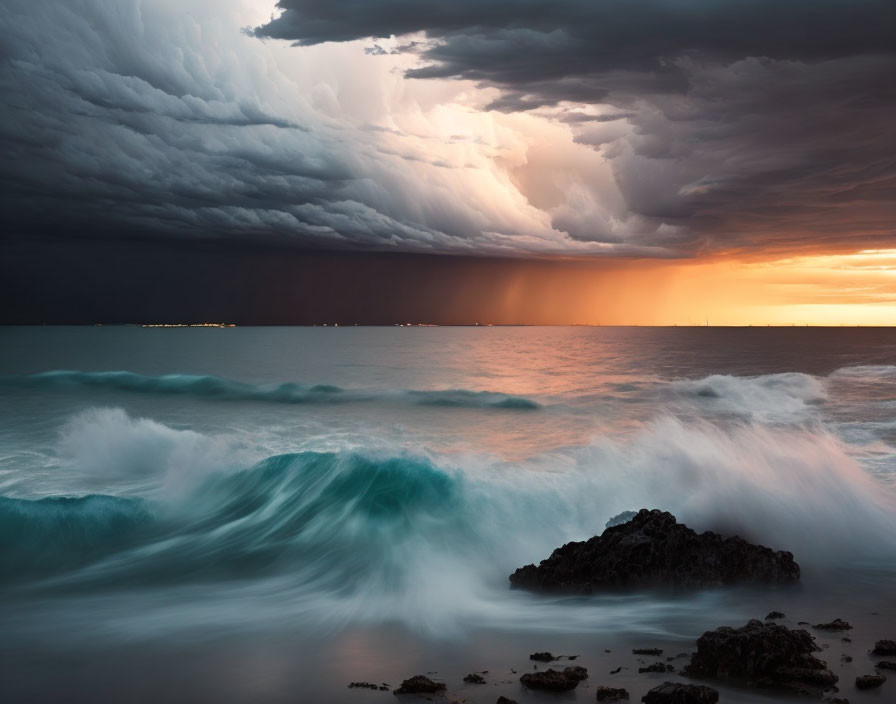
pixel 651 128
pixel 742 123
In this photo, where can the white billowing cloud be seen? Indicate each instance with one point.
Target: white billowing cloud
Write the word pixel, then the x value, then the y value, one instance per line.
pixel 133 118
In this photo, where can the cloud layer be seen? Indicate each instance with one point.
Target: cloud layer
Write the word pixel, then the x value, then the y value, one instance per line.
pixel 653 128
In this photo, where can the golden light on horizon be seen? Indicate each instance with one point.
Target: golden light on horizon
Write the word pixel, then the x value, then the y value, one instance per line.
pixel 857 288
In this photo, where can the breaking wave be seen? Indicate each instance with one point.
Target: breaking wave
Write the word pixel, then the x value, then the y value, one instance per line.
pixel 405 537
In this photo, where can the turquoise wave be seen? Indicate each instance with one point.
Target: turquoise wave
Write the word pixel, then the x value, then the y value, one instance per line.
pixel 213 387
pixel 336 520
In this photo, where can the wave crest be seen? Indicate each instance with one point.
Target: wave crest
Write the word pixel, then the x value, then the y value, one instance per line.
pixel 218 388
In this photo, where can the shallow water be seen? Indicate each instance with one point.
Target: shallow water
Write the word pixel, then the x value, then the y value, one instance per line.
pixel 265 514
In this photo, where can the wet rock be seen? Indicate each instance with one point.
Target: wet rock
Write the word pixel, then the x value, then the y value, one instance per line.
pixel 869 681
pixel 846 658
pixel 774 615
pixel 611 694
pixel 553 680
pixel 656 667
pixel 654 550
pixel 885 647
pixel 419 684
pixel 473 678
pixel 542 657
pixel 835 625
pixel 761 655
pixel 616 671
pixel 621 518
pixel 834 700
pixel 886 665
pixel 677 693
pixel 505 700
pixel 362 685
pixel 576 672
pixel 647 651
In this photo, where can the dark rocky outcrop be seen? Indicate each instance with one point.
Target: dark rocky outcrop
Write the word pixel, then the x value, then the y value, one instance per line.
pixel 611 694
pixel 834 700
pixel 647 651
pixel 885 647
pixel 761 655
pixel 542 657
pixel 473 678
pixel 774 615
pixel 554 680
pixel 677 693
pixel 869 681
pixel 419 684
pixel 505 700
pixel 656 667
pixel 654 550
pixel 835 625
pixel 886 665
pixel 576 672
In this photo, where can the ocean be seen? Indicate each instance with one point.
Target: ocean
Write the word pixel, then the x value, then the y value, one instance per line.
pixel 267 514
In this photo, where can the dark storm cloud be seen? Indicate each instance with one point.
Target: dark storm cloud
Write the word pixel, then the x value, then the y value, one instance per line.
pixel 128 118
pixel 750 123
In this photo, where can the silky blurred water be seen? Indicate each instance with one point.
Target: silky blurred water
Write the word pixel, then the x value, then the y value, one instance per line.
pixel 274 512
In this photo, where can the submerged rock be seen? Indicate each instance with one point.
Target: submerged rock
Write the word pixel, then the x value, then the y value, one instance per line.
pixel 611 694
pixel 886 665
pixel 677 693
pixel 835 625
pixel 869 681
pixel 774 615
pixel 419 684
pixel 885 647
pixel 647 651
pixel 761 655
pixel 554 680
pixel 505 700
pixel 654 550
pixel 473 678
pixel 656 667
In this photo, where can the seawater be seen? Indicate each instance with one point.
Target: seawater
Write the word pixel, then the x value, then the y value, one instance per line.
pixel 265 514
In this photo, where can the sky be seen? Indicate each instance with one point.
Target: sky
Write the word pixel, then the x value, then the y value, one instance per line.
pixel 454 161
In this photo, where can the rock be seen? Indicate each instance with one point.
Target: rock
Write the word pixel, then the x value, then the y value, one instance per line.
pixel 834 700
pixel 654 550
pixel 473 678
pixel 647 651
pixel 774 615
pixel 886 665
pixel 616 671
pixel 362 685
pixel 846 658
pixel 419 684
pixel 677 693
pixel 542 657
pixel 869 681
pixel 553 680
pixel 835 625
pixel 610 694
pixel 576 672
pixel 656 667
pixel 621 518
pixel 505 700
pixel 761 655
pixel 885 647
